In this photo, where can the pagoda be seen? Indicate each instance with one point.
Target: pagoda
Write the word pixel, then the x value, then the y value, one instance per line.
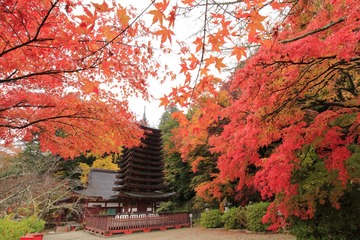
pixel 140 184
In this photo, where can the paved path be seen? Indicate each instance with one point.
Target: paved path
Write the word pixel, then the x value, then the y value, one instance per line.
pixel 194 233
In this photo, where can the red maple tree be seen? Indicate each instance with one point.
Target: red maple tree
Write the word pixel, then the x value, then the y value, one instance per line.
pixel 293 108
pixel 67 70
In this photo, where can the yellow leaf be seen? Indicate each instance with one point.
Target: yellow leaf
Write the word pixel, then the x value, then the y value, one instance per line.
pixel 109 34
pixel 123 17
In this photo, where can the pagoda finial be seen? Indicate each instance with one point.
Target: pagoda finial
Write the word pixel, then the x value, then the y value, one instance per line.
pixel 144 120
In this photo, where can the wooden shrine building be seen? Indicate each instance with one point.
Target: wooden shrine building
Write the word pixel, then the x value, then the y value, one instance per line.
pixel 98 195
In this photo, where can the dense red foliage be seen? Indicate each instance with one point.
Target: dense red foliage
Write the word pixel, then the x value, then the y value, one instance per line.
pixel 67 70
pixel 297 97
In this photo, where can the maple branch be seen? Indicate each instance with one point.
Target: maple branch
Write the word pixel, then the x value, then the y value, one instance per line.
pixel 219 3
pixel 313 31
pixel 202 51
pixel 14 106
pixel 45 18
pixel 34 39
pixel 327 72
pixel 122 31
pixel 330 104
pixel 73 116
pixel 48 72
pixel 15 194
pixel 22 105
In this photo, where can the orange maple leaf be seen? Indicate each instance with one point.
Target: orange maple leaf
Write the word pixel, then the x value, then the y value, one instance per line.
pixel 159 16
pixel 219 64
pixel 180 117
pixel 225 25
pixel 165 34
pixel 210 60
pixel 216 41
pixel 255 25
pixel 90 87
pixel 162 5
pixel 184 67
pixel 101 7
pixel 171 17
pixel 193 61
pixel 239 52
pixel 199 44
pixel 164 101
pixel 188 2
pixel 123 17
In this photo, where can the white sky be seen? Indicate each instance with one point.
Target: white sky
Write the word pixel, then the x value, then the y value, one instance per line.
pixel 153 111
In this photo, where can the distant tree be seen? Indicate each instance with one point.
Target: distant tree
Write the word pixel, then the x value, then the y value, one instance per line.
pixel 30 185
pixel 107 161
pixel 177 172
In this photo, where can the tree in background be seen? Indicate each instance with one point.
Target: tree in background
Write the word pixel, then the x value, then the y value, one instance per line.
pixel 108 161
pixel 177 172
pixel 191 138
pixel 30 184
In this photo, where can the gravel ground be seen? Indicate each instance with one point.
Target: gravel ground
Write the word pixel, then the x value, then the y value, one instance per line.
pixel 194 233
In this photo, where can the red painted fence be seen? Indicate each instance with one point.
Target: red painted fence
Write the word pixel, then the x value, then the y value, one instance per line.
pixel 108 225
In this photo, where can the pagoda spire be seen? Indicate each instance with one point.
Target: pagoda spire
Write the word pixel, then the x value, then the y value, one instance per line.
pixel 144 121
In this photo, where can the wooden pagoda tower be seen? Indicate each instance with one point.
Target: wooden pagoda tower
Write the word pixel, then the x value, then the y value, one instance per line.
pixel 140 184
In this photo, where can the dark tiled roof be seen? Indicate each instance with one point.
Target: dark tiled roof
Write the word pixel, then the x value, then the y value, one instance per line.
pixel 101 182
pixel 147 195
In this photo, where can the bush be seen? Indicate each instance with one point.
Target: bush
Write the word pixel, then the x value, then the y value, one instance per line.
pixel 254 214
pixel 211 219
pixel 234 218
pixel 10 229
pixel 329 222
pixel 166 207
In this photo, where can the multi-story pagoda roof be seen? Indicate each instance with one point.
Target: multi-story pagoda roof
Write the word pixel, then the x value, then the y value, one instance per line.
pixel 141 169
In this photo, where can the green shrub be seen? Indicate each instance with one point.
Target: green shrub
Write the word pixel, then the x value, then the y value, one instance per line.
pixel 211 219
pixel 166 207
pixel 329 222
pixel 234 218
pixel 13 230
pixel 254 214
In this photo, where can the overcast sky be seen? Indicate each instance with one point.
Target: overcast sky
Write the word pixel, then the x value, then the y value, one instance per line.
pixel 153 111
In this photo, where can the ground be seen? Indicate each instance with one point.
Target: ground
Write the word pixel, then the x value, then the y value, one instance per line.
pixel 192 233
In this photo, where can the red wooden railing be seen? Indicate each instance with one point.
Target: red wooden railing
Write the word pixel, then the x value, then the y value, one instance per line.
pixel 108 225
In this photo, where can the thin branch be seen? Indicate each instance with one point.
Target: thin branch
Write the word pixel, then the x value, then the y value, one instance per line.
pixel 45 120
pixel 48 72
pixel 202 50
pixel 122 31
pixel 34 39
pixel 313 31
pixel 331 104
pixel 44 19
